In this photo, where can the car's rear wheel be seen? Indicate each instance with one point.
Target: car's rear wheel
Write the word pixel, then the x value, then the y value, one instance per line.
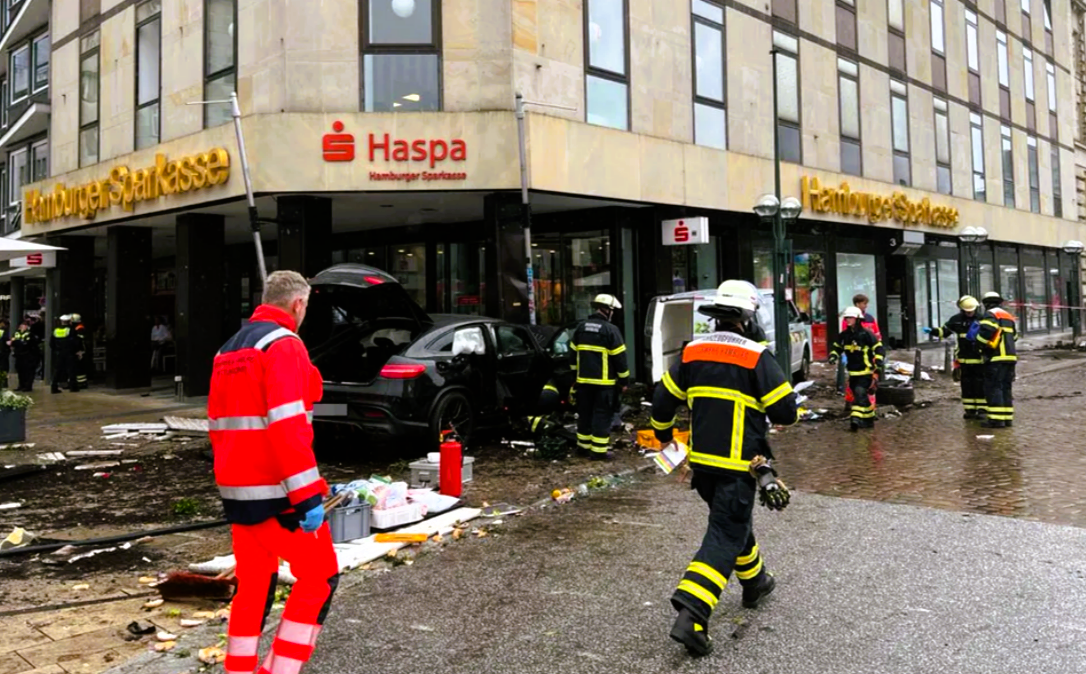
pixel 453 412
pixel 804 372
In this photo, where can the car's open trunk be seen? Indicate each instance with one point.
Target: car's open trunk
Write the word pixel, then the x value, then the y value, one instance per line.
pixel 353 331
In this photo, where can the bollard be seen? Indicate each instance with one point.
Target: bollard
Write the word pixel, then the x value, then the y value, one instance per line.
pixel 948 359
pixel 179 388
pixel 916 366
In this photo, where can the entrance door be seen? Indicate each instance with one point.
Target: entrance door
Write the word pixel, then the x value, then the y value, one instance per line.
pixel 570 270
pixel 935 294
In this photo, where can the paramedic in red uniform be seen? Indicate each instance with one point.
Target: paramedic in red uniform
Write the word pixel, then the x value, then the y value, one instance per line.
pixel 260 417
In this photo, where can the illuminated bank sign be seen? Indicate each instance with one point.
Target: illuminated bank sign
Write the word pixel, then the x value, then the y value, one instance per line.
pixel 422 159
pixel 875 208
pixel 125 188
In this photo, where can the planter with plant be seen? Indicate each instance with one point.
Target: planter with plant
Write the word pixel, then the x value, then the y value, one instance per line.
pixel 13 407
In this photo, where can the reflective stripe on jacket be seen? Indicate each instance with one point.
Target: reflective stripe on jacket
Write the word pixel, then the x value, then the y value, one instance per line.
pixel 601 352
pixel 997 336
pixel 966 351
pixel 260 416
pixel 864 349
pixel 731 385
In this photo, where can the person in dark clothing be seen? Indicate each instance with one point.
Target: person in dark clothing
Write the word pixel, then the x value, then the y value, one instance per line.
pixel 601 365
pixel 997 333
pixel 37 336
pixel 26 357
pixel 82 351
pixel 865 354
pixel 967 354
pixel 63 346
pixel 5 352
pixel 735 389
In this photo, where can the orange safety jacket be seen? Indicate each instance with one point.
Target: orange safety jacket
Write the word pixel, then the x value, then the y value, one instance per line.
pixel 260 418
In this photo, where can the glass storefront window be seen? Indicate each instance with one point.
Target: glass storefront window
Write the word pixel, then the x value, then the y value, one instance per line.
pixel 409 268
pixel 763 268
pixel 809 276
pixel 1007 260
pixel 949 289
pixel 1055 293
pixel 856 275
pixel 588 258
pixel 1035 280
pixel 694 267
pixel 467 278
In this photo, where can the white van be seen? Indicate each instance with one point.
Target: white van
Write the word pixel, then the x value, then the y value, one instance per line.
pixel 673 321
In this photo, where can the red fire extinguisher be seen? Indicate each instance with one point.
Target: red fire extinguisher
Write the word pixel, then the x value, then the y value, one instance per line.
pixel 450 469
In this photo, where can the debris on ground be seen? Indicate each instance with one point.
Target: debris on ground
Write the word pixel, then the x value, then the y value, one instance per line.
pixel 17 539
pixel 10 506
pixel 17 446
pixel 212 655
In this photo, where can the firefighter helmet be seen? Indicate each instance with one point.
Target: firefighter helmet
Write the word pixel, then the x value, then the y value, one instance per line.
pixel 606 301
pixel 76 318
pixel 853 312
pixel 968 303
pixel 992 299
pixel 734 299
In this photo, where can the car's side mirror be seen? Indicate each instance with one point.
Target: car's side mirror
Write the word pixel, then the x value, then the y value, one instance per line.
pixel 468 341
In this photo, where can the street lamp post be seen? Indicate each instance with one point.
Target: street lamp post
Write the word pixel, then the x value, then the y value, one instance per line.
pixel 971 238
pixel 780 214
pixel 1074 249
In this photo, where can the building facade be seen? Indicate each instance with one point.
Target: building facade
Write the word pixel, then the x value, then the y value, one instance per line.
pixel 384 132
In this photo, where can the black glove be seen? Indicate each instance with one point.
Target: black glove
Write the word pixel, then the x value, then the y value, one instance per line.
pixel 833 359
pixel 772 492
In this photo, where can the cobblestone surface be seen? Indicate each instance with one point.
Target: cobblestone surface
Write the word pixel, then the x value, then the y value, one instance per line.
pixel 933 457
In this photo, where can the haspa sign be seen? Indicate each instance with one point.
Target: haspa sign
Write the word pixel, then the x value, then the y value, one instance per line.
pixel 422 158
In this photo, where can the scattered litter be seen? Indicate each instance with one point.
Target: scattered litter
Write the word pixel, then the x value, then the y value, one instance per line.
pixel 165 636
pixel 81 587
pixel 52 456
pixel 422 628
pixel 800 399
pixel 96 452
pixel 18 445
pixel 147 580
pixel 212 655
pixel 17 538
pixel 500 509
pixel 803 386
pixel 99 551
pixel 191 622
pixel 154 603
pixel 10 506
pixel 985 438
pixel 670 459
pixel 114 429
pixel 164 646
pixel 186 425
pixel 102 475
pixel 807 415
pixel 100 464
pixel 564 495
pixel 896 377
pixel 204 615
pixel 900 367
pixel 924 376
pixel 136 628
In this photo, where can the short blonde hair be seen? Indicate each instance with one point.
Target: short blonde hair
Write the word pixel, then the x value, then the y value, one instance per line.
pixel 283 287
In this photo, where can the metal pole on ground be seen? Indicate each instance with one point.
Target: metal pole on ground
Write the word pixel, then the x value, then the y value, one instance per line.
pixel 526 207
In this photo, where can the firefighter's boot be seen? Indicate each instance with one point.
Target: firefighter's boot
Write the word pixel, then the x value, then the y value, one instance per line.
pixel 755 593
pixel 692 633
pixel 993 423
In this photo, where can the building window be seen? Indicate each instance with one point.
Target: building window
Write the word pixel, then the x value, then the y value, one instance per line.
pixel 846 24
pixel 220 59
pixel 39 161
pixel 1031 111
pixel 972 52
pixel 88 99
pixel 899 112
pixel 848 87
pixel 785 9
pixel 3 199
pixel 710 115
pixel 1003 56
pixel 20 73
pixel 896 9
pixel 976 136
pixel 788 118
pixel 1000 14
pixel 606 79
pixel 942 146
pixel 41 63
pixel 1008 165
pixel 401 56
pixel 19 173
pixel 148 72
pixel 1048 27
pixel 1027 25
pixel 938 46
pixel 3 104
pixel 1053 121
pixel 1057 186
pixel 1034 176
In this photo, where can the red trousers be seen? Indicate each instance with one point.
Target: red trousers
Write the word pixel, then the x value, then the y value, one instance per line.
pixel 257 550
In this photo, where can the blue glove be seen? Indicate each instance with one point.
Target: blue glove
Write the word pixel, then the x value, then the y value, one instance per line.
pixel 973 330
pixel 313 519
pixel 926 331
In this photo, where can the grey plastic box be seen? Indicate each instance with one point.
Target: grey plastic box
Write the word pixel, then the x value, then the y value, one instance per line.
pixel 349 523
pixel 426 475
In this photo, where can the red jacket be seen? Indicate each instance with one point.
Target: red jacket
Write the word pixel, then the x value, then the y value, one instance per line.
pixel 868 323
pixel 260 417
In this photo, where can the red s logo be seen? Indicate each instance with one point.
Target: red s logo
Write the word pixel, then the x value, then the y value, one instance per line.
pixel 338 146
pixel 682 233
pixel 35 258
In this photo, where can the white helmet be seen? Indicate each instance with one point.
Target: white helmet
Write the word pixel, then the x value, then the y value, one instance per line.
pixel 734 297
pixel 607 301
pixel 76 317
pixel 65 318
pixel 853 312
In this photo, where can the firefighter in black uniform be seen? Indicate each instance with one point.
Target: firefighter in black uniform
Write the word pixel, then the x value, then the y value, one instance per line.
pixel 600 366
pixel 967 354
pixel 731 385
pixel 996 333
pixel 82 350
pixel 26 357
pixel 63 345
pixel 865 354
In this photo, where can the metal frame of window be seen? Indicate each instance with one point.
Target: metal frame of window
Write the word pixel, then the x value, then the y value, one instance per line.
pixel 221 73
pixel 16 96
pixel 3 103
pixel 434 48
pixel 34 42
pixel 1006 145
pixel 32 170
pixel 1003 66
pixel 787 52
pixel 695 19
pixel 1034 164
pixel 156 16
pixel 850 70
pixel 601 73
pixel 972 56
pixel 1029 86
pixel 940 107
pixel 1050 86
pixel 976 130
pixel 938 53
pixel 899 90
pixel 84 53
pixel 1057 187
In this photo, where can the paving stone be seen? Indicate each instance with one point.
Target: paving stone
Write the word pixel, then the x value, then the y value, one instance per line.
pixel 16 634
pixel 90 643
pixel 10 663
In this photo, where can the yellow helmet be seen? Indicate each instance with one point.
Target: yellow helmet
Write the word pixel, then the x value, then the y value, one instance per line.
pixel 968 303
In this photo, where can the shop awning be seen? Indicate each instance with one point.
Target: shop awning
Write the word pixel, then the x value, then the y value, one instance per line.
pixel 26 272
pixel 13 248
